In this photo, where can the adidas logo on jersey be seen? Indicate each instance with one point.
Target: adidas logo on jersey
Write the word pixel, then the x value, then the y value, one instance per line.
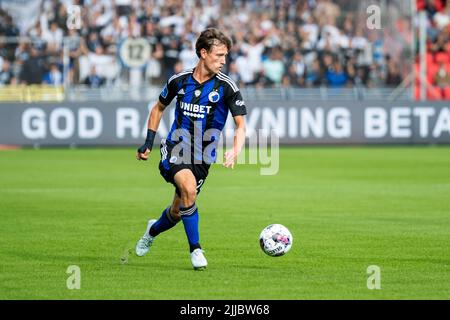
pixel 181 91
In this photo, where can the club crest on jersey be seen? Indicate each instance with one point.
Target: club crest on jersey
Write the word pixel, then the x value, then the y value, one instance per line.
pixel 214 96
pixel 197 93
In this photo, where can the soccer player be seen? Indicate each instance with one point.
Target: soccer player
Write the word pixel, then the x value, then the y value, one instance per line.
pixel 204 97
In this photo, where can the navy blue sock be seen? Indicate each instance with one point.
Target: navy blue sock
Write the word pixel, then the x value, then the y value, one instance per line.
pixel 189 216
pixel 164 223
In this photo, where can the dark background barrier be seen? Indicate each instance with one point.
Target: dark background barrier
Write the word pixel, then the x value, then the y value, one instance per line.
pixel 311 122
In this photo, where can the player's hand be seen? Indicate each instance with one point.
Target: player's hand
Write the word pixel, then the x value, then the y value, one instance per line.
pixel 229 159
pixel 143 153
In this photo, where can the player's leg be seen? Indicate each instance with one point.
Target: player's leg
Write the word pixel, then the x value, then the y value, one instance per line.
pixel 169 218
pixel 187 184
pixel 170 215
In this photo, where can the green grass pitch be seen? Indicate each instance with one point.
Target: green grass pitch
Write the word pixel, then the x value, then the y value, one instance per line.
pixel 347 208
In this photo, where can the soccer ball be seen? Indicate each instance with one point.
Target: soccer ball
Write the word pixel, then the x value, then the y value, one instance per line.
pixel 275 240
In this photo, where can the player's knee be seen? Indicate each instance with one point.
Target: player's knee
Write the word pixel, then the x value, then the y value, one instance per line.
pixel 189 194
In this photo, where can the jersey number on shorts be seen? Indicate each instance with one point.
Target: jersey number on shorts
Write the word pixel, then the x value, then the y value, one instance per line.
pixel 200 183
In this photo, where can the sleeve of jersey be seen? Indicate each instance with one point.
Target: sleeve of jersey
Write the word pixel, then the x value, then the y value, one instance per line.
pixel 236 104
pixel 168 92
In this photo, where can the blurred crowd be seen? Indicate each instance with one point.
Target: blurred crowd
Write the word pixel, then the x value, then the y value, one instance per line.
pixel 276 43
pixel 438 50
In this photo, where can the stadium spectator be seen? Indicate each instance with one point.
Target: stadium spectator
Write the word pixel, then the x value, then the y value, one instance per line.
pixel 442 19
pixel 336 77
pixel 254 50
pixel 112 32
pixel 54 77
pixel 133 29
pixel 313 78
pixel 93 80
pixel 440 45
pixel 442 78
pixel 188 56
pixel 290 79
pixel 77 48
pixel 171 50
pixel 154 65
pixel 123 7
pixel 274 67
pixel 309 32
pixel 9 29
pixel 93 41
pixel 101 14
pixel 234 73
pixel 296 72
pixel 351 71
pixel 104 63
pixel 6 75
pixel 37 39
pixel 53 38
pixel 326 12
pixel 33 68
pixel 246 74
pixel 393 78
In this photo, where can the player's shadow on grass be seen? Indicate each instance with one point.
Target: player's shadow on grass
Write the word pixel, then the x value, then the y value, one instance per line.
pixel 134 262
pixel 39 256
pixel 156 267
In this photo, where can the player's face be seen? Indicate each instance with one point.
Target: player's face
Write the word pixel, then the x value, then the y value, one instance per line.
pixel 215 59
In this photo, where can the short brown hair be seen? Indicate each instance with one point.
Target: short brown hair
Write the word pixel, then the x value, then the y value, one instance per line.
pixel 211 37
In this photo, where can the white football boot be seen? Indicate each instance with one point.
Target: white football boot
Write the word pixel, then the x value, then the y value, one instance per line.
pixel 198 259
pixel 144 244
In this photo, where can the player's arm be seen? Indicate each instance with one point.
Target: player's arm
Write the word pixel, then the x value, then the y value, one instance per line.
pixel 152 125
pixel 238 142
pixel 168 93
pixel 236 104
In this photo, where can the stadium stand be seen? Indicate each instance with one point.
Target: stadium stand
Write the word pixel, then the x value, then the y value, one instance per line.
pixel 438 50
pixel 277 44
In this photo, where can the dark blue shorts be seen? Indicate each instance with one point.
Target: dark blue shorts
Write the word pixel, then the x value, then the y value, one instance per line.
pixel 168 168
